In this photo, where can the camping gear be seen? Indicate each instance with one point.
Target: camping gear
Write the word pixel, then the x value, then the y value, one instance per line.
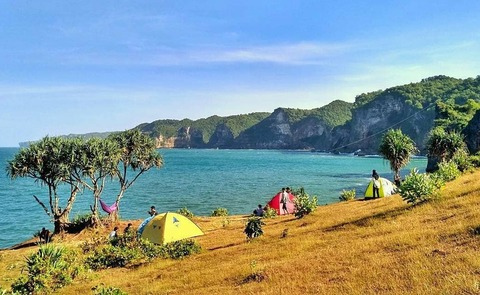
pixel 168 227
pixel 387 188
pixel 108 209
pixel 276 204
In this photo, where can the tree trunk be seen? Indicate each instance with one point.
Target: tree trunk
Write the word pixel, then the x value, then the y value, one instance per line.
pixel 61 223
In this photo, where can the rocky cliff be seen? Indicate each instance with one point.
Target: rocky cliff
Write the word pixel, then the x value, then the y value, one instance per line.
pixel 340 126
pixel 370 121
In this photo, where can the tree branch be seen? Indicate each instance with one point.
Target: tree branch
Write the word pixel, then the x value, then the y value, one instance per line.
pixel 43 206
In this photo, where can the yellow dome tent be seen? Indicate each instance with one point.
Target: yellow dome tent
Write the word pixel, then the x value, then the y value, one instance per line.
pixel 168 227
pixel 387 188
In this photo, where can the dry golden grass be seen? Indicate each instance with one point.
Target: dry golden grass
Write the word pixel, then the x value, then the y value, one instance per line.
pixel 381 246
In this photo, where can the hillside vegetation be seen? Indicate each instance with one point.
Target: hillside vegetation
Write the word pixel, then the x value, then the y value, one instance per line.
pixel 169 128
pixel 381 246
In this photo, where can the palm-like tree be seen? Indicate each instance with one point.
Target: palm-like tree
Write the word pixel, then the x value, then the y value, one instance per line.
pixel 49 162
pixel 137 155
pixel 397 148
pixel 443 145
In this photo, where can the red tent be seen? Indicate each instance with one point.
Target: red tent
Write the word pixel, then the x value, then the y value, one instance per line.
pixel 275 203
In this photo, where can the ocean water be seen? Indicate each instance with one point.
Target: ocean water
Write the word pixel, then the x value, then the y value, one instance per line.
pixel 201 180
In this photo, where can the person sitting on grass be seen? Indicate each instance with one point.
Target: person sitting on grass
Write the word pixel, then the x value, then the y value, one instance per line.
pixel 44 235
pixel 258 211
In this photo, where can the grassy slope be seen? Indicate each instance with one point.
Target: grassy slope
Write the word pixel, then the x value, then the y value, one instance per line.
pixel 358 247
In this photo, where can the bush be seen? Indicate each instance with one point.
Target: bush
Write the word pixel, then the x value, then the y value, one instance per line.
pixel 447 171
pixel 185 212
pixel 253 227
pixel 347 195
pixel 90 245
pixel 101 290
pixel 475 160
pixel 180 249
pixel 123 251
pixel 49 269
pixel 462 160
pixel 269 213
pixel 220 212
pixel 418 187
pixel 303 204
pixel 111 256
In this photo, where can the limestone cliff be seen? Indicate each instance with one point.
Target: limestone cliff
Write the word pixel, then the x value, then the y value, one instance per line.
pixel 370 121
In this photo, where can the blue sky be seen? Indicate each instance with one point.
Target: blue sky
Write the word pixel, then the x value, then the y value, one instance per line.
pixel 84 66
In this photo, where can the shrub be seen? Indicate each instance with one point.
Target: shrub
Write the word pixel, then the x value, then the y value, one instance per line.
pixel 269 213
pixel 447 171
pixel 180 249
pixel 347 195
pixel 303 204
pixel 101 290
pixel 220 212
pixel 81 221
pixel 90 245
pixel 418 187
pixel 49 269
pixel 226 221
pixel 475 160
pixel 253 227
pixel 111 256
pixel 122 251
pixel 185 212
pixel 462 160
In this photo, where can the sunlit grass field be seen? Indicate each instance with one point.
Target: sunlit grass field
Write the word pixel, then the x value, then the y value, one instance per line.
pixel 381 246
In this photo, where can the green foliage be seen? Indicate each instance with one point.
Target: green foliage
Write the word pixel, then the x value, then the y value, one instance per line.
pixel 475 160
pixel 304 205
pixel 334 114
pixel 397 148
pixel 253 227
pixel 347 195
pixel 181 249
pixel 49 269
pixel 447 171
pixel 51 162
pixel 102 290
pixel 111 256
pixel 220 212
pixel 127 250
pixel 444 145
pixel 185 212
pixel 171 128
pixel 90 245
pixel 419 187
pixel 462 160
pixel 269 213
pixel 123 251
pixel 81 221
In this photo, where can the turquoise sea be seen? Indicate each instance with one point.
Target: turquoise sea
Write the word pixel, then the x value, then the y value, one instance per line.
pixel 201 180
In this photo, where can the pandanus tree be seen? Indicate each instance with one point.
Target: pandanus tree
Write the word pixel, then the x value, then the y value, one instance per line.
pixel 97 161
pixel 444 145
pixel 50 162
pixel 398 149
pixel 138 154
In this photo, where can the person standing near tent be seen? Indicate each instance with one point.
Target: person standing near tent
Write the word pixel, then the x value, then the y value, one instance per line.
pixel 376 184
pixel 152 211
pixel 283 200
pixel 113 234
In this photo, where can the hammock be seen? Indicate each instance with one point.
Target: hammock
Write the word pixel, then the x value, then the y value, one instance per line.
pixel 106 208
